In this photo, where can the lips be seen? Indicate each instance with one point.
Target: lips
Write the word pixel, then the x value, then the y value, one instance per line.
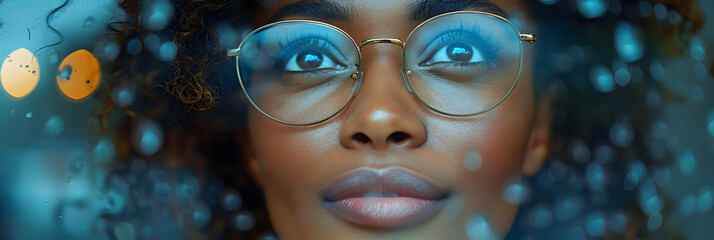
pixel 383 198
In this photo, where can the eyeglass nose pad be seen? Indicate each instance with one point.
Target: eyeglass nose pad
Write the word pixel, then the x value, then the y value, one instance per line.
pixel 405 78
pixel 357 76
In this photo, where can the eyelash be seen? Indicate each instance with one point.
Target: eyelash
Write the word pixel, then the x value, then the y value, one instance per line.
pixel 290 46
pixel 451 34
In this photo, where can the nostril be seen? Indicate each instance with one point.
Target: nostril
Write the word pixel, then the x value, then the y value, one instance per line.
pixel 361 137
pixel 398 137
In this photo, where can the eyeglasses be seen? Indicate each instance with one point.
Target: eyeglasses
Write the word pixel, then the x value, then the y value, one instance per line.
pixel 301 72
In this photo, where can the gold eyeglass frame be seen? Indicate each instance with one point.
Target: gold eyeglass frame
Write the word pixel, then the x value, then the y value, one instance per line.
pixel 524 38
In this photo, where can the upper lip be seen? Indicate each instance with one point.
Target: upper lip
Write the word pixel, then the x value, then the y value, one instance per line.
pixel 373 182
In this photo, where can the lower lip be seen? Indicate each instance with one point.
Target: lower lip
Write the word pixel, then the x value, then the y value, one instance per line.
pixel 385 212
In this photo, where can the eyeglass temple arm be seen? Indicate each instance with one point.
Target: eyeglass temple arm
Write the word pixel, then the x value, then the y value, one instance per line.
pixel 233 52
pixel 528 37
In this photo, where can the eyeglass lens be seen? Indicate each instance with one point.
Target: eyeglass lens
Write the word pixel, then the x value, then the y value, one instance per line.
pixel 300 72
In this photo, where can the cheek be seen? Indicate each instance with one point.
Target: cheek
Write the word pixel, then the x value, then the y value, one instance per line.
pixel 500 138
pixel 286 153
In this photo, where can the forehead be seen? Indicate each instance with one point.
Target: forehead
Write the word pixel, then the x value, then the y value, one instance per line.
pixel 405 11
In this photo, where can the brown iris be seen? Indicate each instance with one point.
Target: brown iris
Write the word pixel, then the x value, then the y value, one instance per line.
pixel 459 52
pixel 309 59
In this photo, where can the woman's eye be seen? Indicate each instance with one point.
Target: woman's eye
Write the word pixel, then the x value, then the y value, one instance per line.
pixel 308 60
pixel 457 52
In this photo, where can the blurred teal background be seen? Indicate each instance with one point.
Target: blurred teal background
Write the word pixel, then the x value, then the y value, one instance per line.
pixel 56 178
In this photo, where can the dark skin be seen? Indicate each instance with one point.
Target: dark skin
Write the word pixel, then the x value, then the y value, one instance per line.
pixel 292 164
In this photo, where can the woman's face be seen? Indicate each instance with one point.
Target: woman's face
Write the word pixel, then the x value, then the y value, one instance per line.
pixel 386 166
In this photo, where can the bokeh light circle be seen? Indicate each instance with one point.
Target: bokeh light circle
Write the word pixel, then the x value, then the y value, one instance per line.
pixel 78 75
pixel 20 73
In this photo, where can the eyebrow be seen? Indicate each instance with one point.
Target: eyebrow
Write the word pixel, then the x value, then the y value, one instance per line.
pixel 426 9
pixel 314 9
pixel 330 11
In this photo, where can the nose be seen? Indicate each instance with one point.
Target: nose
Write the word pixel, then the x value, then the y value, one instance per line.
pixel 383 114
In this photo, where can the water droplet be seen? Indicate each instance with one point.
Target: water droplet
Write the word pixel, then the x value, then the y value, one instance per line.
pixel 227 36
pixel 46 203
pixel 548 2
pixel 167 51
pixel 622 77
pixel 65 73
pixel 654 222
pixel 53 57
pixel 652 99
pixel 596 224
pixel 565 208
pixel 674 17
pixel 124 96
pixel 201 216
pixel 244 221
pixel 472 161
pixel 76 167
pixel 12 111
pixel 557 170
pixel 687 205
pixel 595 177
pixel 704 201
pixel 563 62
pixel 88 22
pixel 160 14
pixel 621 134
pixel 660 11
pixel 662 176
pixel 478 227
pixel 659 130
pixel 70 180
pixel 111 51
pixel 631 181
pixel 134 47
pixel 124 231
pixel 602 79
pixel 700 71
pixel 657 71
pixel 162 191
pixel 188 189
pixel 231 201
pixel 147 137
pixel 116 196
pixel 268 236
pixel 541 217
pixel 697 49
pixel 54 126
pixel 628 42
pixel 645 8
pixel 687 163
pixel 710 122
pixel 590 9
pixel 604 154
pixel 618 222
pixel 578 54
pixel 104 150
pixel 697 94
pixel 638 168
pixel 152 42
pixel 650 202
pixel 515 192
pixel 579 151
pixel 28 115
